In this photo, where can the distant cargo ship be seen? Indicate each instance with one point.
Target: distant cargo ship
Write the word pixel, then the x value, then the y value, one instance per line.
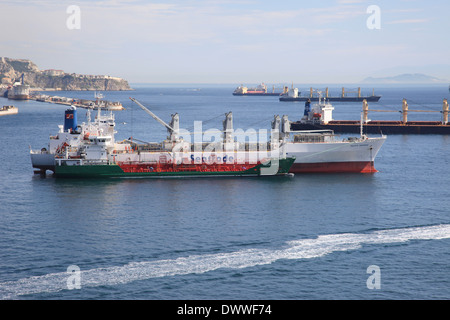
pixel 19 91
pixel 320 117
pixel 260 90
pixel 294 95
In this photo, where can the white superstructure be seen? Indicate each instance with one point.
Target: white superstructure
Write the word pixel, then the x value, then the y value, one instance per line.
pixel 322 151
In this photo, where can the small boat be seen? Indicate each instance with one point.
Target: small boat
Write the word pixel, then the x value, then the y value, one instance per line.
pixel 6 110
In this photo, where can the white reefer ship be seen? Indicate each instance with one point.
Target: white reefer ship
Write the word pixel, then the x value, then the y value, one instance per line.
pixel 318 151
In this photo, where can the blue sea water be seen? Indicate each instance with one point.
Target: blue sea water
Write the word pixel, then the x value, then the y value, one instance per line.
pixel 313 236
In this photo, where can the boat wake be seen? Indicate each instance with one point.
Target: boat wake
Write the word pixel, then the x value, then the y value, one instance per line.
pixel 197 264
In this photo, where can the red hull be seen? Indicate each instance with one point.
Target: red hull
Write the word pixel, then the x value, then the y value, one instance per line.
pixel 191 167
pixel 334 167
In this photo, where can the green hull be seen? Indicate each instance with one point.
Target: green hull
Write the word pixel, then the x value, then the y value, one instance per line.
pixel 113 170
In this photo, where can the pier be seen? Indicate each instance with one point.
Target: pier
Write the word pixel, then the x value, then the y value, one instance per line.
pixel 81 103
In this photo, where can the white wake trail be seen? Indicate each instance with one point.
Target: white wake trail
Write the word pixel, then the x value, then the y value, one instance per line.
pixel 297 249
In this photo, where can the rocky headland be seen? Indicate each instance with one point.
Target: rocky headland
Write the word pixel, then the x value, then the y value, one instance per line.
pixel 11 70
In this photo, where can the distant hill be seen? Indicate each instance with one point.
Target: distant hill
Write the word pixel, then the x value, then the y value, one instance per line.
pixel 405 78
pixel 12 69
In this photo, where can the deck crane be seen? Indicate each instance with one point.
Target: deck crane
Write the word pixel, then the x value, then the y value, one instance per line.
pixel 173 128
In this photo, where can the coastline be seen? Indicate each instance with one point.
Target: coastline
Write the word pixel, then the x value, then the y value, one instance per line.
pixel 90 89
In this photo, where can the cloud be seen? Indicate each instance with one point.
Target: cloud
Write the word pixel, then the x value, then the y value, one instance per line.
pixel 350 1
pixel 406 21
pixel 233 38
pixel 305 32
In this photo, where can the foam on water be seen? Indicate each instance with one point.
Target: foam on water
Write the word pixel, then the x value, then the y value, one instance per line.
pixel 297 249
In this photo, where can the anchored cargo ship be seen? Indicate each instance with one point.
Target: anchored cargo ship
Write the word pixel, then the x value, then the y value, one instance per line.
pixel 260 90
pixel 294 95
pixel 90 150
pixel 19 91
pixel 320 151
pixel 321 118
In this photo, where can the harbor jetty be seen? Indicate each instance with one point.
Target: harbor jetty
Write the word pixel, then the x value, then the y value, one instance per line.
pixel 81 103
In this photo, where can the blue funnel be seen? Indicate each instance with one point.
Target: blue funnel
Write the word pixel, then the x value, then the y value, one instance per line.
pixel 307 107
pixel 70 119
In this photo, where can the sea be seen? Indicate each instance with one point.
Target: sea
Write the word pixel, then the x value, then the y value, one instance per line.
pixel 380 236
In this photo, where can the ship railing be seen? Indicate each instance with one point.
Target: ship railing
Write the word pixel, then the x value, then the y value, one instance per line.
pixel 319 136
pixel 41 151
pixel 80 162
pixel 312 131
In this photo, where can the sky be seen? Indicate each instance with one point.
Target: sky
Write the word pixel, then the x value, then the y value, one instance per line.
pixel 218 41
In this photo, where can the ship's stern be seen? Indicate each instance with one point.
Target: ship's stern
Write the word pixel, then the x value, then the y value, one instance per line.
pixel 42 160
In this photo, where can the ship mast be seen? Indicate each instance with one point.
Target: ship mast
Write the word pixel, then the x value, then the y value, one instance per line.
pixel 361 128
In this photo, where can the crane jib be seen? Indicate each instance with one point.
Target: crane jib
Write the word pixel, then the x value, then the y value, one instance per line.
pixel 154 116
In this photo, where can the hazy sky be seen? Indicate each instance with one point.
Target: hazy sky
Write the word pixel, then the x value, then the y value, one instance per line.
pixel 230 41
